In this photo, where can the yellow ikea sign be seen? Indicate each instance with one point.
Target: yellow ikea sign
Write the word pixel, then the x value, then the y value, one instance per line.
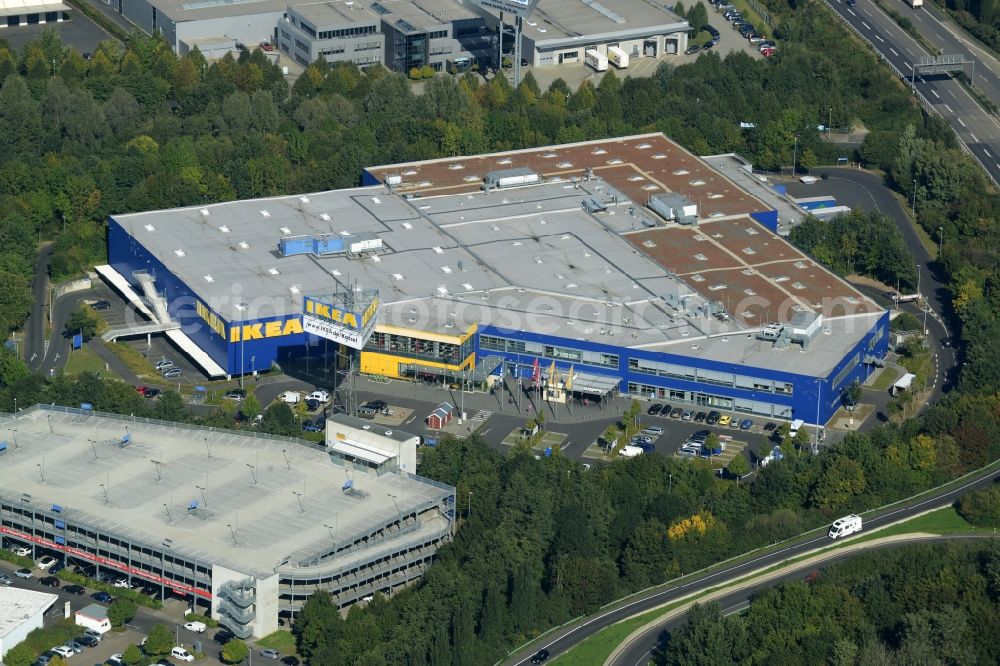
pixel 343 317
pixel 270 329
pixel 213 320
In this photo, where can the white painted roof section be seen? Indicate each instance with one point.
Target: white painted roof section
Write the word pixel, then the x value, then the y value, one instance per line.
pixel 18 604
pixel 197 354
pixel 119 282
pixel 361 451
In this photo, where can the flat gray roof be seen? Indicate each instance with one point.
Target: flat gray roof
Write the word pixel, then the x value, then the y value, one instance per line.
pixel 193 10
pixel 335 12
pixel 269 522
pixel 423 13
pixel 556 20
pixel 526 258
pixel 18 604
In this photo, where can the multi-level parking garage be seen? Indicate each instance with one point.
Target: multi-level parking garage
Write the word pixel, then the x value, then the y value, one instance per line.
pixel 248 526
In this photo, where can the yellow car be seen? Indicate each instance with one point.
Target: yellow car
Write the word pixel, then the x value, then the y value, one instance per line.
pixel 724 420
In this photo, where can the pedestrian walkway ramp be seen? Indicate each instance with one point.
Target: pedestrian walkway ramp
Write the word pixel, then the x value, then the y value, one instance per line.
pixel 113 334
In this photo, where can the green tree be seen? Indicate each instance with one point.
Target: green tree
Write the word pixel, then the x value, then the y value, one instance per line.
pixel 159 642
pixel 81 321
pixel 982 507
pixel 852 394
pixel 712 442
pixel 132 656
pixel 678 9
pixel 739 466
pixel 708 639
pixel 19 655
pixel 697 17
pixel 251 406
pixel 279 419
pixel 235 652
pixel 121 611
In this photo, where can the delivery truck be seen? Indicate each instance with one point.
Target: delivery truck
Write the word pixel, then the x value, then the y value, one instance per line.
pixel 597 60
pixel 617 57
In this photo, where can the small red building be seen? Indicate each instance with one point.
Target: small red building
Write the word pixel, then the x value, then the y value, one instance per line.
pixel 441 416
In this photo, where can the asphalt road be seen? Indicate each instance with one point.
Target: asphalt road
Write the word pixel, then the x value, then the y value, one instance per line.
pixel 979 131
pixel 862 190
pixel 567 637
pixel 34 338
pixel 642 648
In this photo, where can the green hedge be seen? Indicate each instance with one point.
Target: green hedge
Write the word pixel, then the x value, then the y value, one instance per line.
pixel 9 555
pixel 40 640
pixel 139 598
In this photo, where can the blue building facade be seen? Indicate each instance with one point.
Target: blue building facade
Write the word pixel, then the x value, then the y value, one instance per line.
pixel 690 381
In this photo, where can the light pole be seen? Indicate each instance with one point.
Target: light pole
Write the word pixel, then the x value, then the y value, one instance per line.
pixel 829 123
pixel 398 512
pixel 470 505
pixel 819 392
pixel 204 500
pixel 913 206
pixel 918 279
pixel 795 153
pixel 107 500
pixel 298 495
pixel 940 241
pixel 253 472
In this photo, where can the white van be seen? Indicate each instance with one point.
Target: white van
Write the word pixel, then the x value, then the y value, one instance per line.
pixel 796 424
pixel 845 526
pixel 630 451
pixel 181 654
pixel 290 397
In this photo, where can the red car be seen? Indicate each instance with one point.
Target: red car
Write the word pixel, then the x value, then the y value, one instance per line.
pixel 767 53
pixel 266 46
pixel 142 389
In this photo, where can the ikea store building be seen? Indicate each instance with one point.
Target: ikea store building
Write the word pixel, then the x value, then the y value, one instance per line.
pixel 620 266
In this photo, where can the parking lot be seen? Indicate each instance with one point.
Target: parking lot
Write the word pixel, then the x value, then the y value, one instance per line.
pixel 79 32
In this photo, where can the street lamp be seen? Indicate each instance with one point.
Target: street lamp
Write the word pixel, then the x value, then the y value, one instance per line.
pixel 298 495
pixel 795 152
pixel 918 279
pixel 940 241
pixel 470 505
pixel 913 206
pixel 204 501
pixel 398 512
pixel 107 500
pixel 253 472
pixel 829 123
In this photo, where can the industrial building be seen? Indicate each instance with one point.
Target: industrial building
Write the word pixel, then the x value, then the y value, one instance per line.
pixel 560 31
pixel 21 612
pixel 32 12
pixel 447 35
pixel 619 266
pixel 244 525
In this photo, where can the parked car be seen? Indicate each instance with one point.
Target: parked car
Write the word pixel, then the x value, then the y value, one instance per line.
pixel 173 373
pixel 312 405
pixel 63 651
pixel 180 654
pixel 724 420
pixel 24 573
pixel 700 417
pixel 770 426
pixel 767 52
pixel 45 562
pixel 5 580
pixel 100 305
pixel 152 393
pixel 653 430
pixel 22 551
pixel 56 568
pixel 86 640
pixel 49 581
pixel 75 646
pixel 103 597
pixel 266 46
pixel 195 626
pixel 319 425
pixel 320 395
pixel 290 660
pixel 121 583
pixel 676 412
pixel 654 409
pixel 234 394
pixel 163 364
pixel 93 633
pixel 647 447
pixel 270 653
pixel 223 637
pixel 712 31
pixel 746 424
pixel 691 50
pixel 713 417
pixel 290 397
pixel 687 415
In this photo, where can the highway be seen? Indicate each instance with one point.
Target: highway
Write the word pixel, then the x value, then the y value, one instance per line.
pixel 569 636
pixel 976 128
pixel 642 647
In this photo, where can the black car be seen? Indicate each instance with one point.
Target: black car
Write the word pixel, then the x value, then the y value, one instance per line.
pixel 222 637
pixel 103 597
pixel 712 31
pixel 56 568
pixel 713 417
pixel 313 426
pixel 49 581
pixel 312 404
pixel 290 660
pixel 769 426
pixel 152 393
pixel 540 656
pixel 654 409
pixel 691 50
pixel 700 417
pixel 101 305
pixel 377 405
pixel 87 641
pixel 75 589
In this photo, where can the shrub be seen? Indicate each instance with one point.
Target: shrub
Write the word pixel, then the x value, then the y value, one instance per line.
pixel 982 507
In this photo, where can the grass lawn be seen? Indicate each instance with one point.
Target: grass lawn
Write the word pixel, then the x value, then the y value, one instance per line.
pixel 84 360
pixel 281 640
pixel 942 521
pixel 595 650
pixel 886 378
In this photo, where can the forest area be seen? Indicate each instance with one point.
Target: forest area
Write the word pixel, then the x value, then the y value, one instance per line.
pixel 918 604
pixel 138 128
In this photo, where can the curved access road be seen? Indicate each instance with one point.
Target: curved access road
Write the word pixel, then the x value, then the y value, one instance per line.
pixel 564 638
pixel 640 647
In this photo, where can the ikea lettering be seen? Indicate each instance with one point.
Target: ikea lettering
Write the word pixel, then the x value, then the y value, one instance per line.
pixel 213 320
pixel 269 329
pixel 342 317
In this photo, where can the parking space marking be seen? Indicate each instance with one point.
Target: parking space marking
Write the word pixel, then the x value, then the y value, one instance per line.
pixel 867 27
pixel 960 121
pixel 987 152
pixel 950 111
pixel 879 37
pixel 852 13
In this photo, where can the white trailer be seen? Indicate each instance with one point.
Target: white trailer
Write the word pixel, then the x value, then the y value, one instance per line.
pixel 916 3
pixel 94 617
pixel 597 60
pixel 617 57
pixel 844 526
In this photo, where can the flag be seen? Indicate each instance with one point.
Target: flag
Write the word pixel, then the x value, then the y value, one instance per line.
pixel 553 376
pixel 536 374
pixel 77 340
pixel 569 380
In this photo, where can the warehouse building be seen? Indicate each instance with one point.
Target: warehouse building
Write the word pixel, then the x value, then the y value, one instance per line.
pixel 561 31
pixel 615 266
pixel 245 526
pixel 21 612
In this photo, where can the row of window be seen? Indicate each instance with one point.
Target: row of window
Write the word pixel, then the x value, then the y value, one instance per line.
pixel 710 401
pixel 428 350
pixel 692 374
pixel 438 34
pixel 356 31
pixel 556 353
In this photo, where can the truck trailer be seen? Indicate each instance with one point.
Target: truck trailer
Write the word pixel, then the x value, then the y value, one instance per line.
pixel 597 60
pixel 617 57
